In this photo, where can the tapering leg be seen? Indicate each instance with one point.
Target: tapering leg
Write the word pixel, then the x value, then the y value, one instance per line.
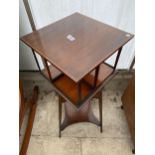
pixel 60 106
pixel 61 100
pixel 100 111
pixel 99 96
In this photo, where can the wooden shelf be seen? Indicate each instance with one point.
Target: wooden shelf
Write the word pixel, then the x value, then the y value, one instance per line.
pixel 104 72
pixel 70 89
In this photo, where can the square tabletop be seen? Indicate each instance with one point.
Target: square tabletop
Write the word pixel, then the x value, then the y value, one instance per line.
pixel 76 44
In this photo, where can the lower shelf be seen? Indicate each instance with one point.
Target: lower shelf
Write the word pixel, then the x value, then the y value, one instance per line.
pixel 70 89
pixel 104 72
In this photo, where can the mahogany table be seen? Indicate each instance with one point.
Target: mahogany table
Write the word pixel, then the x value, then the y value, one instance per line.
pixel 76 48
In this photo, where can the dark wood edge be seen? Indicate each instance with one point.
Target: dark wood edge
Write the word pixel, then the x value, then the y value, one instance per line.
pixel 132 64
pixel 109 65
pixel 36 60
pixel 47 69
pixel 117 57
pixel 27 135
pixel 96 75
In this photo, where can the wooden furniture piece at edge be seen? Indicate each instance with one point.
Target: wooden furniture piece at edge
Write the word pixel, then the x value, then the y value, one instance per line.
pixel 128 100
pixel 71 76
pixel 23 107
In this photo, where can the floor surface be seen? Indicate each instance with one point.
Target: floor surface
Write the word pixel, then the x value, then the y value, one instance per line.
pixel 81 138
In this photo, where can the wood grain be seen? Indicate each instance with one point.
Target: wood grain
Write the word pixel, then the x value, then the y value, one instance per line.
pixel 104 72
pixel 94 43
pixel 32 104
pixel 70 88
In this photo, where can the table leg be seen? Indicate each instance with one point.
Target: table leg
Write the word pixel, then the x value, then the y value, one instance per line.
pixel 96 75
pixel 99 96
pixel 100 111
pixel 60 115
pixel 61 100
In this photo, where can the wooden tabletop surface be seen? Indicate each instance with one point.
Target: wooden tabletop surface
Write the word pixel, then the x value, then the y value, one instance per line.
pixel 76 44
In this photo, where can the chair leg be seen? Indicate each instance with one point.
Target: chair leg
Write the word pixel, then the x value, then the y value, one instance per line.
pixel 33 106
pixel 100 111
